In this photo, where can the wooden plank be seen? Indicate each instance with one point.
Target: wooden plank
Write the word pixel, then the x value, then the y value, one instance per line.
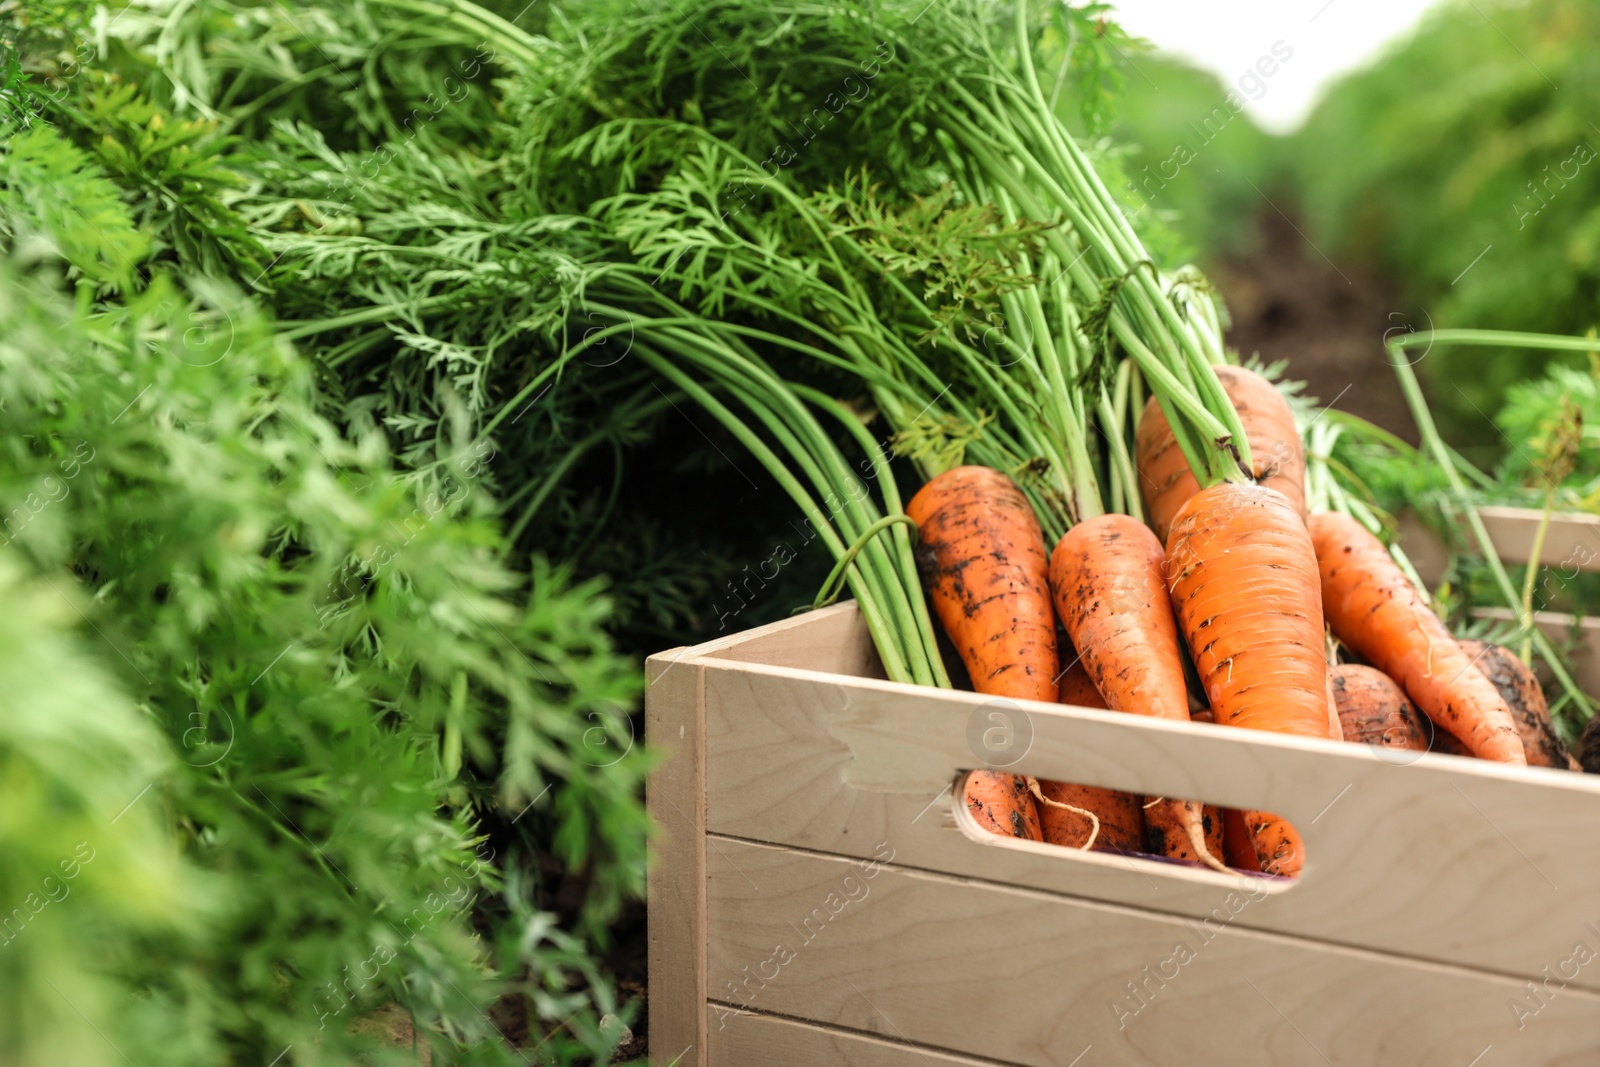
pixel 1570 547
pixel 676 894
pixel 1571 543
pixel 1474 863
pixel 834 639
pixel 750 1038
pixel 1037 980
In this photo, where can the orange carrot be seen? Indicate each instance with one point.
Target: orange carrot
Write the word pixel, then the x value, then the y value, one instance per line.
pixel 1237 850
pixel 1003 805
pixel 1077 688
pixel 1237 847
pixel 1374 609
pixel 1107 578
pixel 1109 586
pixel 1521 691
pixel 1117 826
pixel 1165 479
pixel 981 556
pixel 1120 815
pixel 1243 580
pixel 1167 833
pixel 1373 709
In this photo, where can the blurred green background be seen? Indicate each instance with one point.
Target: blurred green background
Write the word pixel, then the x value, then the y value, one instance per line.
pixel 1476 135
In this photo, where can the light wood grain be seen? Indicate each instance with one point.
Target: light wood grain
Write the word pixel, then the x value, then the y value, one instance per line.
pixel 834 640
pixel 1033 979
pixel 1452 860
pixel 675 797
pixel 749 1038
pixel 1571 543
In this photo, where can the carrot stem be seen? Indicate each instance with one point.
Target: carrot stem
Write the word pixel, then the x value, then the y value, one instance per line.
pixel 1529 579
pixel 833 585
pixel 1441 454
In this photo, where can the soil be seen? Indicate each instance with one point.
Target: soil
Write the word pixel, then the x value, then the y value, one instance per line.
pixel 1329 319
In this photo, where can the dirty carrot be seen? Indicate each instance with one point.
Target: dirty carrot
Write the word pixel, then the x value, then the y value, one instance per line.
pixel 1120 815
pixel 1374 609
pixel 1167 825
pixel 1213 819
pixel 1165 479
pixel 1107 576
pixel 1522 693
pixel 1243 580
pixel 982 559
pixel 1374 710
pixel 1002 804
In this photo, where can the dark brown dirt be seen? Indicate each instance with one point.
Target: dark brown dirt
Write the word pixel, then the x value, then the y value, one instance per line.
pixel 1327 318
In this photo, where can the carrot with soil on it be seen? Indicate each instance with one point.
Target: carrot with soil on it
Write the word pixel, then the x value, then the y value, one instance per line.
pixel 1167 825
pixel 982 559
pixel 1236 851
pixel 1167 483
pixel 1374 609
pixel 1118 823
pixel 1518 687
pixel 1244 584
pixel 1107 577
pixel 1374 710
pixel 1003 804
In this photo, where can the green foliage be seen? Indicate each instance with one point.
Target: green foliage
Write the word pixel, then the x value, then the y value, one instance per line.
pixel 53 194
pixel 1191 159
pixel 89 878
pixel 1534 415
pixel 1093 49
pixel 348 681
pixel 1473 137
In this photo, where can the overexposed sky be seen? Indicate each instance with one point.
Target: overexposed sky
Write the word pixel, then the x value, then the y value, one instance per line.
pixel 1229 38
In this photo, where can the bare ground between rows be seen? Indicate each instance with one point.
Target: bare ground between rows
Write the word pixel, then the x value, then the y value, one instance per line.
pixel 1327 318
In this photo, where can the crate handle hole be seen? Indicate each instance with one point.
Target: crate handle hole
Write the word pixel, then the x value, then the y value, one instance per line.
pixel 1000 808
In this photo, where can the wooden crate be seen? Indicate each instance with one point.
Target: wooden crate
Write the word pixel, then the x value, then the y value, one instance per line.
pixel 818 896
pixel 1571 547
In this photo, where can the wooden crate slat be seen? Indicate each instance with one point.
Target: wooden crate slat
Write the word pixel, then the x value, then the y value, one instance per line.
pixel 841 765
pixel 676 892
pixel 750 1038
pixel 1031 979
pixel 1571 543
pixel 834 640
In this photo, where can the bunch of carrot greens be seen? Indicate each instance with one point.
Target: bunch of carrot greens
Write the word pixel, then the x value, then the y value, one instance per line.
pixel 938 273
pixel 856 238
